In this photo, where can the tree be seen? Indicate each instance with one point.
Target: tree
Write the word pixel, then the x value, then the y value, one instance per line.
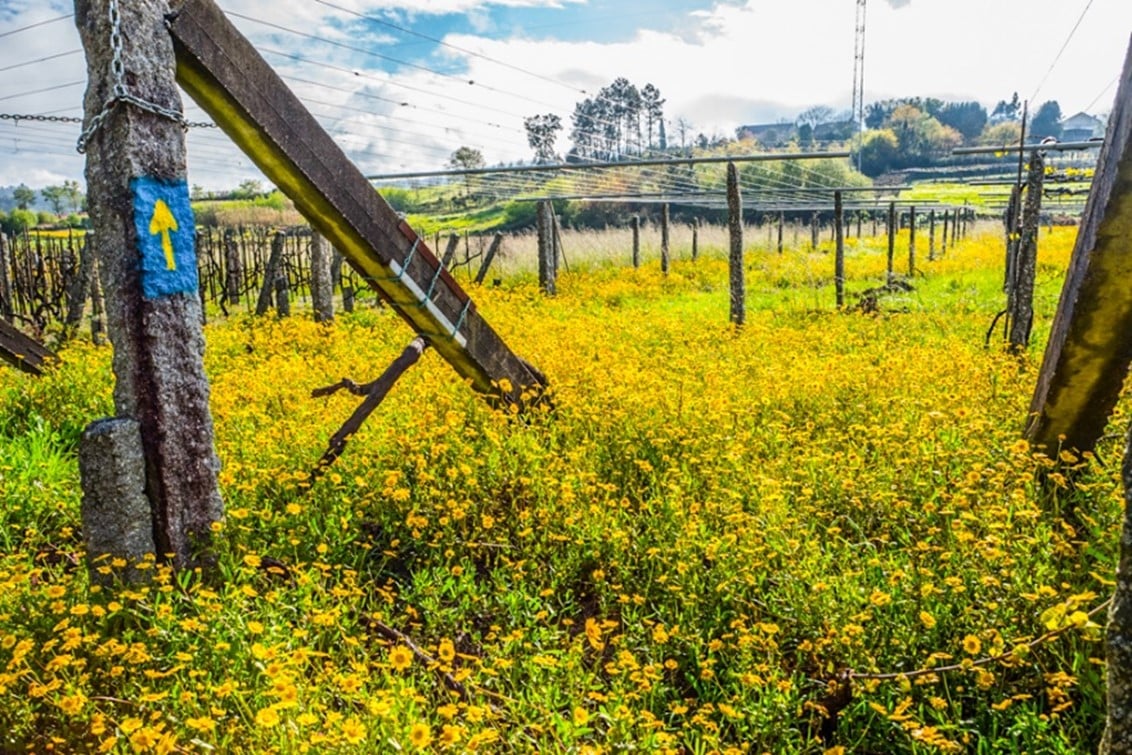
pixel 1004 134
pixel 248 189
pixel 1007 111
pixel 542 131
pixel 683 128
pixel 467 158
pixel 1046 122
pixel 55 196
pixel 19 220
pixel 880 151
pixel 968 118
pixel 653 105
pixel 814 117
pixel 24 196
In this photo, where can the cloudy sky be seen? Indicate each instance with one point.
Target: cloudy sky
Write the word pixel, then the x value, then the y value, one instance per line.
pixel 403 83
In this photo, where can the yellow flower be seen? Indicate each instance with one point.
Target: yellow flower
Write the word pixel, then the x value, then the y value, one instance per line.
pixel 593 634
pixel 972 645
pixel 420 736
pixel 927 619
pixel 353 731
pixel 581 716
pixel 267 717
pixel 400 658
pixel 446 652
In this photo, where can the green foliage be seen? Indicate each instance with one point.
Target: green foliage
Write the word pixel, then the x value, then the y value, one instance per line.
pixel 19 220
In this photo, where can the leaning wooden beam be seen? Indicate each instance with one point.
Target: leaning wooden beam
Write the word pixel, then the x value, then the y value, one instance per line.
pixel 1090 344
pixel 221 70
pixel 21 351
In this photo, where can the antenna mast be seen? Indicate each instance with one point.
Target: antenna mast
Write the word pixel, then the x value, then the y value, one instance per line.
pixel 858 106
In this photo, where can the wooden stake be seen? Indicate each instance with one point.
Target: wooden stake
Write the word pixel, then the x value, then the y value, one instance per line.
pixel 735 229
pixel 839 250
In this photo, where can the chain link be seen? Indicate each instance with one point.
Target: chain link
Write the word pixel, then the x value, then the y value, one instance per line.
pixel 17 117
pixel 119 93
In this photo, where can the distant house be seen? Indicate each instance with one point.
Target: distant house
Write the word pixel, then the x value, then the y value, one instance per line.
pixel 1081 127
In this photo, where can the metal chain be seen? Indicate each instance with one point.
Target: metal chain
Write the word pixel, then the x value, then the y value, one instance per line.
pixel 120 94
pixel 17 117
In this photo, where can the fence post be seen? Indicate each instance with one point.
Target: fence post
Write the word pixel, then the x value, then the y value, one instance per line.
pixel 636 241
pixel 735 228
pixel 814 231
pixel 144 239
pixel 839 249
pixel 233 280
pixel 695 239
pixel 664 255
pixel 781 222
pixel 322 286
pixel 1026 259
pixel 931 236
pixel 911 241
pixel 450 251
pixel 545 248
pixel 79 289
pixel 270 271
pixel 5 284
pixel 891 241
pixel 491 252
pixel 943 237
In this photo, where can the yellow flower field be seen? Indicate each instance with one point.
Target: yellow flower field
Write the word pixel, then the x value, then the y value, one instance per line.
pixel 693 548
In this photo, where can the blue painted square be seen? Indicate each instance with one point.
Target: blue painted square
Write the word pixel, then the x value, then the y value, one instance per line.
pixel 163 219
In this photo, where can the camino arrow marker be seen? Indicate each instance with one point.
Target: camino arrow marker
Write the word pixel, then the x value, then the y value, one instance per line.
pixel 163 222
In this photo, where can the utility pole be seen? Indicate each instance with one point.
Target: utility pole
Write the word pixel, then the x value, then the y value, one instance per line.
pixel 858 106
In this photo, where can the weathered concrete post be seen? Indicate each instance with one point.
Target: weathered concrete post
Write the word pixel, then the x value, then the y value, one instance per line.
pixel 911 241
pixel 695 239
pixel 781 222
pixel 270 273
pixel 322 286
pixel 839 249
pixel 665 259
pixel 79 289
pixel 815 229
pixel 891 241
pixel 931 236
pixel 97 304
pixel 636 241
pixel 144 238
pixel 735 228
pixel 1026 259
pixel 545 248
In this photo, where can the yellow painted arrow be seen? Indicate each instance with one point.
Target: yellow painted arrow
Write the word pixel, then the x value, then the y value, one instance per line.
pixel 163 222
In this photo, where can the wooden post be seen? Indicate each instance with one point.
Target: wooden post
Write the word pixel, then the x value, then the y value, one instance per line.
pixel 545 248
pixel 781 223
pixel 1026 261
pixel 271 271
pixel 859 221
pixel 664 254
pixel 839 250
pixel 97 304
pixel 735 229
pixel 139 208
pixel 282 292
pixel 636 241
pixel 491 252
pixel 322 287
pixel 233 280
pixel 1089 353
pixel 931 236
pixel 79 290
pixel 450 251
pixel 891 241
pixel 22 352
pixel 814 230
pixel 695 239
pixel 943 238
pixel 5 283
pixel 911 242
pixel 559 250
pixel 230 80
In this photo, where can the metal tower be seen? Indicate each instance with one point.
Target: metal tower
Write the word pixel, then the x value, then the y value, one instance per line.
pixel 858 106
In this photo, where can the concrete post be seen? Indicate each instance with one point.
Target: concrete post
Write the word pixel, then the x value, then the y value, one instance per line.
pixel 144 241
pixel 665 258
pixel 636 241
pixel 322 289
pixel 735 227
